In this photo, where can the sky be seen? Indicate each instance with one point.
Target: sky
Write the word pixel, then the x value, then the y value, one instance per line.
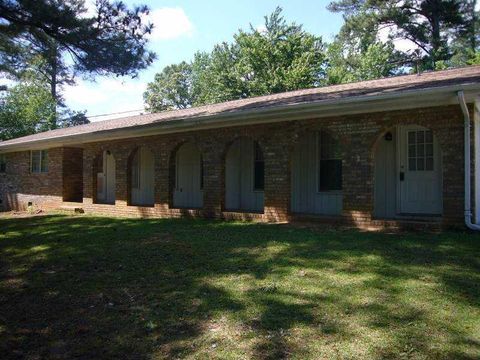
pixel 182 28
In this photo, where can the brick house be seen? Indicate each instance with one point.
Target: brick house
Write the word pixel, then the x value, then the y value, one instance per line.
pixel 388 152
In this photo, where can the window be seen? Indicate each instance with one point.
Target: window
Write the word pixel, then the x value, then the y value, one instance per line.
pixel 3 163
pixel 201 172
pixel 330 163
pixel 259 168
pixel 39 161
pixel 136 171
pixel 420 150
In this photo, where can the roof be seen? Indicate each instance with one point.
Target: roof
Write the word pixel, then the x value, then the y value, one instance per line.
pixel 335 93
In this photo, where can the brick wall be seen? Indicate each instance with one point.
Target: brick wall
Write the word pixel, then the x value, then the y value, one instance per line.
pixel 72 174
pixel 357 135
pixel 18 186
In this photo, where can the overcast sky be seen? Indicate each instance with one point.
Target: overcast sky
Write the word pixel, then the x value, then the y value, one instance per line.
pixel 181 29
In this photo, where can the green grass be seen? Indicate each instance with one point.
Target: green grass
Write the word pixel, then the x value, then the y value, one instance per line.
pixel 96 287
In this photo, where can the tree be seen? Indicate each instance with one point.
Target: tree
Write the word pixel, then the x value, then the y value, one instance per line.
pixel 283 57
pixel 350 61
pixel 280 58
pixel 57 40
pixel 26 109
pixel 429 24
pixel 171 89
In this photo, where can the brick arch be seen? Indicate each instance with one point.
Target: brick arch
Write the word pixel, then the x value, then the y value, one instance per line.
pixel 97 164
pixel 172 154
pixel 379 135
pixel 300 133
pixel 437 133
pixel 132 153
pixel 226 148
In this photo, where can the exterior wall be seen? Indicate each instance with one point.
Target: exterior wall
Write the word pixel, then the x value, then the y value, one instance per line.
pixel 72 174
pixel 356 133
pixel 18 186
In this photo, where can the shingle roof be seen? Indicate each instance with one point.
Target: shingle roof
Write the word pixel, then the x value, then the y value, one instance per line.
pixel 426 80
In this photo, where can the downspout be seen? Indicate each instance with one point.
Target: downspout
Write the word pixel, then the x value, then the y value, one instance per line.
pixel 468 191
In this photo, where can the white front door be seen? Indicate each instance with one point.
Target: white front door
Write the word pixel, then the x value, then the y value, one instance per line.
pixel 420 172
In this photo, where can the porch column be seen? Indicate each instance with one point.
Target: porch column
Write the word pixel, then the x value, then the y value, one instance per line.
pixel 162 176
pixel 89 156
pixel 121 165
pixel 357 169
pixel 277 178
pixel 213 178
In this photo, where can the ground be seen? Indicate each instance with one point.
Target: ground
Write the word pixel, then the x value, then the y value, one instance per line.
pixel 97 287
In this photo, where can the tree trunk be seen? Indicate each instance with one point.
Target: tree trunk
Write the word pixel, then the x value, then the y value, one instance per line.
pixel 436 43
pixel 473 34
pixel 53 78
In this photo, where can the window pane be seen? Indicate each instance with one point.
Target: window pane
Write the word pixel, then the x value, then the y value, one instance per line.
pixel 420 137
pixel 35 168
pixel 3 163
pixel 420 164
pixel 258 152
pixel 412 164
pixel 136 171
pixel 412 151
pixel 429 164
pixel 411 137
pixel 329 148
pixel 429 150
pixel 330 175
pixel 201 172
pixel 421 150
pixel 44 161
pixel 429 137
pixel 259 176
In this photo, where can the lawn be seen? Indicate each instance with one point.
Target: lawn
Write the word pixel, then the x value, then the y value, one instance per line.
pixel 97 287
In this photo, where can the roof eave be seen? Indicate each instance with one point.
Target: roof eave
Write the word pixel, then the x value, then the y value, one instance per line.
pixel 407 99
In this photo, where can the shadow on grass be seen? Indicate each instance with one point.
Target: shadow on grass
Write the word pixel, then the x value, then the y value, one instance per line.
pixel 93 287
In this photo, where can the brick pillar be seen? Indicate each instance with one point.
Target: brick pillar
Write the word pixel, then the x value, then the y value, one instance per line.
pixel 277 178
pixel 451 143
pixel 162 177
pixel 121 165
pixel 213 179
pixel 89 156
pixel 357 168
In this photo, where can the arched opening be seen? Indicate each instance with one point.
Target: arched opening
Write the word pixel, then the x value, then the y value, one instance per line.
pixel 142 177
pixel 105 178
pixel 408 173
pixel 244 176
pixel 188 187
pixel 317 175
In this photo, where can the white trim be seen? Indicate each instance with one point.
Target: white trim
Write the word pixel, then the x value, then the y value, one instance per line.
pixel 40 163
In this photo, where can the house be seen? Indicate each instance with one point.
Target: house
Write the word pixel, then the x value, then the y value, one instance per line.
pixel 384 152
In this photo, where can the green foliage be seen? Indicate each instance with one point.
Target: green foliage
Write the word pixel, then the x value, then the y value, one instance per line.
pixel 432 25
pixel 51 41
pixel 110 42
pixel 171 89
pixel 26 109
pixel 348 63
pixel 475 59
pixel 280 58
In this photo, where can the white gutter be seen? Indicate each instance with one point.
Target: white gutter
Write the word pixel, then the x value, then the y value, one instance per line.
pixel 468 190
